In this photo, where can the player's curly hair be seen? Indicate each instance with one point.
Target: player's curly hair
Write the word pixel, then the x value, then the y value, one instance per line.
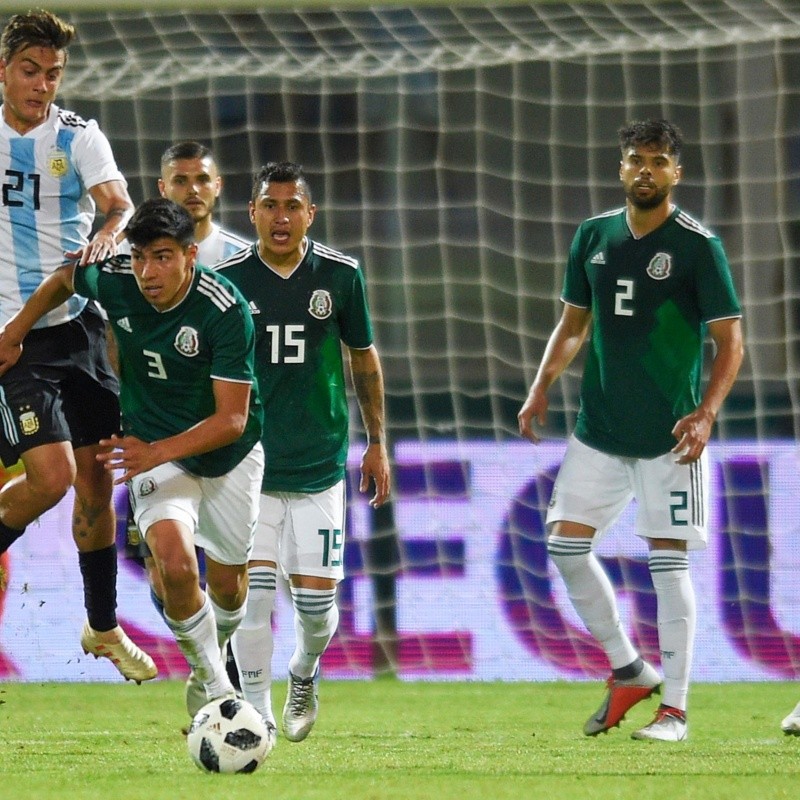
pixel 38 28
pixel 159 218
pixel 649 132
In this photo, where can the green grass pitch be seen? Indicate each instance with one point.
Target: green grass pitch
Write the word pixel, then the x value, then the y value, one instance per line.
pixel 389 739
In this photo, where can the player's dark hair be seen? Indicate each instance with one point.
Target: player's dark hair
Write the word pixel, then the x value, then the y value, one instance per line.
pixel 157 218
pixel 652 132
pixel 188 149
pixel 37 28
pixel 280 172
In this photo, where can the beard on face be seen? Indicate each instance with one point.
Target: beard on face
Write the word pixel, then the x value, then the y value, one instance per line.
pixel 647 203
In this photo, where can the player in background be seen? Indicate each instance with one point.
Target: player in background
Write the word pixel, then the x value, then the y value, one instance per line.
pixel 649 281
pixel 191 415
pixel 61 398
pixel 307 299
pixel 190 177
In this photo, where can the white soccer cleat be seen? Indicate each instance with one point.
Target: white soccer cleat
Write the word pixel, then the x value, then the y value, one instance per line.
pixel 622 695
pixel 300 709
pixel 791 724
pixel 669 725
pixel 132 662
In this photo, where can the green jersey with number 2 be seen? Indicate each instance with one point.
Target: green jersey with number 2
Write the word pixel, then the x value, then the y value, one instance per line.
pixel 651 299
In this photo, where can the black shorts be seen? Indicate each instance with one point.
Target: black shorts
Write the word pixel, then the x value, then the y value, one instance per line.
pixel 62 389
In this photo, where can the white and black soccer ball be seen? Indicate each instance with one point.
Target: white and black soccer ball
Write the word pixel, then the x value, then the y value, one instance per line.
pixel 228 735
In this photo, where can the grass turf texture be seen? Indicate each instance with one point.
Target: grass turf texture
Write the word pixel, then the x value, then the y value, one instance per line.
pixel 387 739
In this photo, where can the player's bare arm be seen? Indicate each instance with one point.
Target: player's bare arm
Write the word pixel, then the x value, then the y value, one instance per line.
pixel 114 202
pixel 564 344
pixel 365 368
pixel 225 425
pixel 50 294
pixel 694 430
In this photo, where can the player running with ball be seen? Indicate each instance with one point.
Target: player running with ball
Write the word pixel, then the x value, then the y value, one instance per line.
pixel 191 420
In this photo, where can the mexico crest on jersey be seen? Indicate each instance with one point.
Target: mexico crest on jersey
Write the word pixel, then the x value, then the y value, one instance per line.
pixel 321 304
pixel 187 342
pixel 57 163
pixel 146 487
pixel 660 266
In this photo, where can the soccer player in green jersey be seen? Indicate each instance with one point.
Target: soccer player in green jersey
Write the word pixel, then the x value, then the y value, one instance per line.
pixel 307 299
pixel 190 447
pixel 650 282
pixel 190 177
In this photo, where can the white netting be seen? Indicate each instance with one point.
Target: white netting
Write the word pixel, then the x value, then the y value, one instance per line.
pixel 455 150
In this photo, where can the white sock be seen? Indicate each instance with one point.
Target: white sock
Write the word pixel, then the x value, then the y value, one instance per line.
pixel 197 639
pixel 316 617
pixel 252 642
pixel 677 619
pixel 592 595
pixel 227 621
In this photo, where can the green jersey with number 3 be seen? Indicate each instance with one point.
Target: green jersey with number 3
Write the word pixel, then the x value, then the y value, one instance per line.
pixel 301 321
pixel 169 359
pixel 651 299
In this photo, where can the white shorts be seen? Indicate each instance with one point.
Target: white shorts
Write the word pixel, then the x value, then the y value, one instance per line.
pixel 221 512
pixel 593 488
pixel 303 533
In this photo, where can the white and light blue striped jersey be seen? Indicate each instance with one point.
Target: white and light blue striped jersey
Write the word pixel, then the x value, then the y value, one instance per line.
pixel 218 245
pixel 46 208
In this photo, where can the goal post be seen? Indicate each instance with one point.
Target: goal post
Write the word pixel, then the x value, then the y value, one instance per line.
pixel 454 149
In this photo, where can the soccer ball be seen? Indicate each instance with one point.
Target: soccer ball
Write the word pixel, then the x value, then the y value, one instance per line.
pixel 228 735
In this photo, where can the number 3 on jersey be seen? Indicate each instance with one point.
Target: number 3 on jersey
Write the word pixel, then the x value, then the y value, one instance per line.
pixel 287 344
pixel 623 296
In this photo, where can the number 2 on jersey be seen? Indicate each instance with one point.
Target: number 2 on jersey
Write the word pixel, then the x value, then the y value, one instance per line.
pixel 623 295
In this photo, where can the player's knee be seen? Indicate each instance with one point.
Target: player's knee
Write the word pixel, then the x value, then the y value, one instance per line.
pixel 46 488
pixel 178 574
pixel 227 587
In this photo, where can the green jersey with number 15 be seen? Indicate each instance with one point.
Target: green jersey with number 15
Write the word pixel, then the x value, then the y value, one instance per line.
pixel 651 299
pixel 301 321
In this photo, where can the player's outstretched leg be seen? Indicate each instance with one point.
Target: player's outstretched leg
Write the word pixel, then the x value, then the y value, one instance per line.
pixel 115 645
pixel 669 725
pixel 791 723
pixel 626 687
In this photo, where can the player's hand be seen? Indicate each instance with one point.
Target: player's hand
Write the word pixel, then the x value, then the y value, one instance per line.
pixel 534 408
pixel 103 246
pixel 692 433
pixel 375 466
pixel 131 455
pixel 10 352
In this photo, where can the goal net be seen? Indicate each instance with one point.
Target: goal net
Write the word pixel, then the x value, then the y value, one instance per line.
pixel 454 150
